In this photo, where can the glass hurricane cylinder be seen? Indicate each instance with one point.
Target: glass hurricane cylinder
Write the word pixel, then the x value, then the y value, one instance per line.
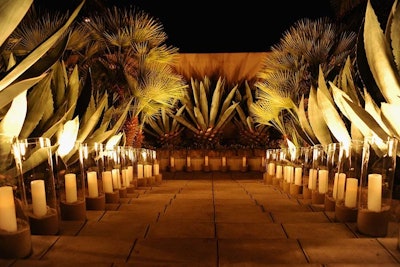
pixel 376 186
pixel 318 178
pixel 90 156
pixel 332 164
pixel 306 158
pixel 347 180
pixel 270 162
pixel 35 170
pixel 71 186
pixel 15 233
pixel 296 171
pixel 112 184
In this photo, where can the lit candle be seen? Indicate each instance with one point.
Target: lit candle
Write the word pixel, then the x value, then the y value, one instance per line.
pixel 140 171
pixel 130 173
pixel 271 168
pixel 172 162
pixel 125 179
pixel 312 179
pixel 206 161
pixel 156 168
pixel 322 181
pixel 116 179
pixel 8 217
pixel 71 194
pixel 223 161
pixel 188 161
pixel 350 200
pixel 279 171
pixel 244 161
pixel 290 174
pixel 92 184
pixel 107 182
pixel 39 205
pixel 341 185
pixel 298 173
pixel 374 192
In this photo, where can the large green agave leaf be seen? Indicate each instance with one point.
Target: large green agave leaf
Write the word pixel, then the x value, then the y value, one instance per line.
pixel 228 100
pixel 390 115
pixel 305 124
pixel 380 58
pixel 372 108
pixel 13 121
pixel 215 102
pixel 226 116
pixel 317 120
pixel 392 32
pixel 203 108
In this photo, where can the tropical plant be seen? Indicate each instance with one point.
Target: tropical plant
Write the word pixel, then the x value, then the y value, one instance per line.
pixel 208 109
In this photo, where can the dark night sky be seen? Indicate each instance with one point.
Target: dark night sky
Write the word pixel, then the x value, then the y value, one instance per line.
pixel 212 26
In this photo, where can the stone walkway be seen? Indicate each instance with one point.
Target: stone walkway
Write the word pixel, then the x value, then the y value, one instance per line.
pixel 210 219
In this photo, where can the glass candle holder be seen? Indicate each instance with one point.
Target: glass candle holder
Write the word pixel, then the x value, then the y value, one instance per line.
pixel 112 183
pixel 15 233
pixel 71 188
pixel 91 160
pixel 347 180
pixel 39 196
pixel 318 177
pixel 296 180
pixel 306 158
pixel 270 159
pixel 332 164
pixel 376 186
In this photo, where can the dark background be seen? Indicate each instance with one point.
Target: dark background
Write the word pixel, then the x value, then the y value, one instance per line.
pixel 215 26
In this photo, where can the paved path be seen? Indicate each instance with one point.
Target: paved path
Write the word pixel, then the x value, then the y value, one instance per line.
pixel 210 219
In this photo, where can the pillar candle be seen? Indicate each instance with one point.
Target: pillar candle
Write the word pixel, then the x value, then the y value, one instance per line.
pixel 125 179
pixel 8 217
pixel 290 174
pixel 223 161
pixel 39 206
pixel 172 162
pixel 92 184
pixel 312 179
pixel 322 181
pixel 279 171
pixel 374 192
pixel 271 168
pixel 107 182
pixel 139 171
pixel 341 185
pixel 71 194
pixel 188 161
pixel 156 169
pixel 206 161
pixel 130 173
pixel 116 179
pixel 350 200
pixel 298 175
pixel 244 161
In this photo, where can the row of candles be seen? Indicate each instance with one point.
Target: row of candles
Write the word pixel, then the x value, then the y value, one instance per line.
pixel 206 161
pixel 355 179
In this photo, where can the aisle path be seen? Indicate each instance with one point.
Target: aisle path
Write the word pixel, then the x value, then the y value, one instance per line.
pixel 210 219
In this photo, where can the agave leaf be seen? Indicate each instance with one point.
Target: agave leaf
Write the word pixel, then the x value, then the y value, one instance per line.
pixel 175 123
pixel 224 118
pixel 241 114
pixel 185 123
pixel 203 108
pixel 60 83
pixel 304 123
pixel 87 128
pixel 392 30
pixel 215 101
pixel 390 114
pixel 68 137
pixel 38 52
pixel 250 123
pixel 372 108
pixel 317 120
pixel 363 120
pixel 12 13
pixel 39 98
pixel 200 119
pixel 113 141
pixel 154 126
pixel 196 92
pixel 14 119
pixel 9 93
pixel 380 58
pixel 332 117
pixel 228 100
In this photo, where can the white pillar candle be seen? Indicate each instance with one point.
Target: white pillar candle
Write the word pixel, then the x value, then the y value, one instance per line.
pixel 244 161
pixel 39 206
pixel 206 161
pixel 93 189
pixel 312 179
pixel 374 192
pixel 130 173
pixel 298 175
pixel 350 199
pixel 271 168
pixel 107 182
pixel 188 161
pixel 8 217
pixel 223 161
pixel 322 181
pixel 156 169
pixel 124 175
pixel 116 179
pixel 279 171
pixel 140 171
pixel 290 174
pixel 341 185
pixel 150 167
pixel 71 194
pixel 172 162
